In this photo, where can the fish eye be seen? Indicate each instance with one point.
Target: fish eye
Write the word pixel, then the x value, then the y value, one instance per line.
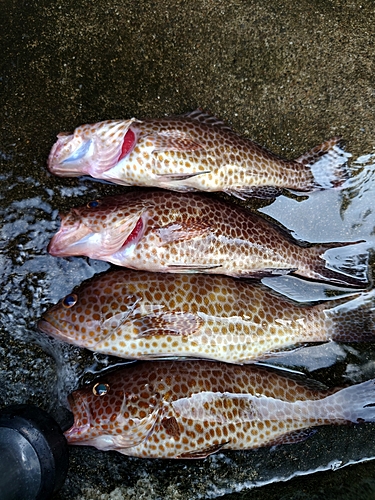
pixel 69 300
pixel 100 389
pixel 93 204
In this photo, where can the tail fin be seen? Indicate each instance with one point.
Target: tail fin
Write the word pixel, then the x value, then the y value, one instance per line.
pixel 328 164
pixel 338 264
pixel 355 403
pixel 352 320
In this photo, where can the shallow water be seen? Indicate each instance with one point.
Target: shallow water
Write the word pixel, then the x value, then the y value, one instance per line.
pixel 289 79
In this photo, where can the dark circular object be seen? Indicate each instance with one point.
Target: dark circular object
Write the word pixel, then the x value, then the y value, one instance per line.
pixel 69 300
pixel 34 454
pixel 100 389
pixel 93 204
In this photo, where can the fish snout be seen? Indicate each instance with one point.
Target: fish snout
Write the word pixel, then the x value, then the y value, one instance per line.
pixel 66 158
pixel 48 328
pixel 81 413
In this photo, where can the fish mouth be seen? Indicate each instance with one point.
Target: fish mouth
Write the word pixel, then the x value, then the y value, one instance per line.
pixel 74 238
pixel 69 241
pixel 81 413
pixel 58 160
pixel 52 330
pixel 46 327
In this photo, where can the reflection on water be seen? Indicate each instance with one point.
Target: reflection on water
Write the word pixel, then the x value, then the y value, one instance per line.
pixel 32 280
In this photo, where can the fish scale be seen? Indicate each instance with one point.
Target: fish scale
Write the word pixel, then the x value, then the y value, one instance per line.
pixel 191 152
pixel 190 409
pixel 177 232
pixel 141 315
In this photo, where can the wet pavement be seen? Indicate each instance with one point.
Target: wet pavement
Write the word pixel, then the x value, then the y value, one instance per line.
pixel 288 77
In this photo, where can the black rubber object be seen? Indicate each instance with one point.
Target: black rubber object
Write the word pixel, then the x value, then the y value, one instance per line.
pixel 34 454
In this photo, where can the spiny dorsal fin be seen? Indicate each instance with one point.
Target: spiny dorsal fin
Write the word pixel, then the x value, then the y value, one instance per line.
pixel 202 116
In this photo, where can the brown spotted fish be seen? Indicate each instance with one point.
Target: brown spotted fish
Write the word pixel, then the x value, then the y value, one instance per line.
pixel 191 152
pixel 177 232
pixel 140 315
pixel 190 409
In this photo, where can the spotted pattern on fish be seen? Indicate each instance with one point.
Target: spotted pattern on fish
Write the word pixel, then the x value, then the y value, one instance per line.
pixel 176 232
pixel 190 409
pixel 191 152
pixel 140 315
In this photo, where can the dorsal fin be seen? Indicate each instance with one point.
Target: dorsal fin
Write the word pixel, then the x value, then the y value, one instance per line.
pixel 202 116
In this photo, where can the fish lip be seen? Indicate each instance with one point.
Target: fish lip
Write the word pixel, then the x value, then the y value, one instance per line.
pixel 68 238
pixel 46 327
pixel 54 163
pixel 57 162
pixel 77 431
pixel 53 331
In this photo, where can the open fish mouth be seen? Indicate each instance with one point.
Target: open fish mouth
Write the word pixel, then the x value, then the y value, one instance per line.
pixel 77 239
pixel 81 413
pixel 58 160
pixel 69 240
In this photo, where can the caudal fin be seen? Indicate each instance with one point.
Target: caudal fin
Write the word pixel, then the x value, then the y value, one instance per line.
pixel 328 164
pixel 356 403
pixel 352 320
pixel 339 264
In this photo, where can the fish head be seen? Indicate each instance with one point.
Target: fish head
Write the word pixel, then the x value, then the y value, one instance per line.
pixel 93 312
pixel 92 149
pixel 117 411
pixel 101 229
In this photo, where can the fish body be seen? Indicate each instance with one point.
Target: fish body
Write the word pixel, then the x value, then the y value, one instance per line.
pixel 190 409
pixel 141 315
pixel 177 232
pixel 191 152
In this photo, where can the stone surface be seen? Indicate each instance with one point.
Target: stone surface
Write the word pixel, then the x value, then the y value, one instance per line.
pixel 288 76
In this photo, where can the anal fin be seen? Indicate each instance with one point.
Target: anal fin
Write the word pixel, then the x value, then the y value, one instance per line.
pixel 263 192
pixel 266 272
pixel 293 437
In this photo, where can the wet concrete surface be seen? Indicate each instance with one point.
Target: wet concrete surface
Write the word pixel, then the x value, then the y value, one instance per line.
pixel 288 76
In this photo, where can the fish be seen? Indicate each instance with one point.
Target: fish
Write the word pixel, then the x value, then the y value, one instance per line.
pixel 191 232
pixel 143 315
pixel 192 152
pixel 191 409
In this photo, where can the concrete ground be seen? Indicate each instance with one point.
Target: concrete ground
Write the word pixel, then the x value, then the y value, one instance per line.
pixel 287 74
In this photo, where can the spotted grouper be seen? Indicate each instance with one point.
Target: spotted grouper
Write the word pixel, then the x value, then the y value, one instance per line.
pixel 177 232
pixel 141 315
pixel 192 152
pixel 191 409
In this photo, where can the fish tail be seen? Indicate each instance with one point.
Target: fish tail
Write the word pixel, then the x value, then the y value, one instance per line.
pixel 352 320
pixel 338 263
pixel 353 404
pixel 327 163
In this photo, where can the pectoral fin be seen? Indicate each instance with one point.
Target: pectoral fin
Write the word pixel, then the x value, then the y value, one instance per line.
pixel 172 140
pixel 191 268
pixel 167 323
pixel 184 230
pixel 144 429
pixel 179 177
